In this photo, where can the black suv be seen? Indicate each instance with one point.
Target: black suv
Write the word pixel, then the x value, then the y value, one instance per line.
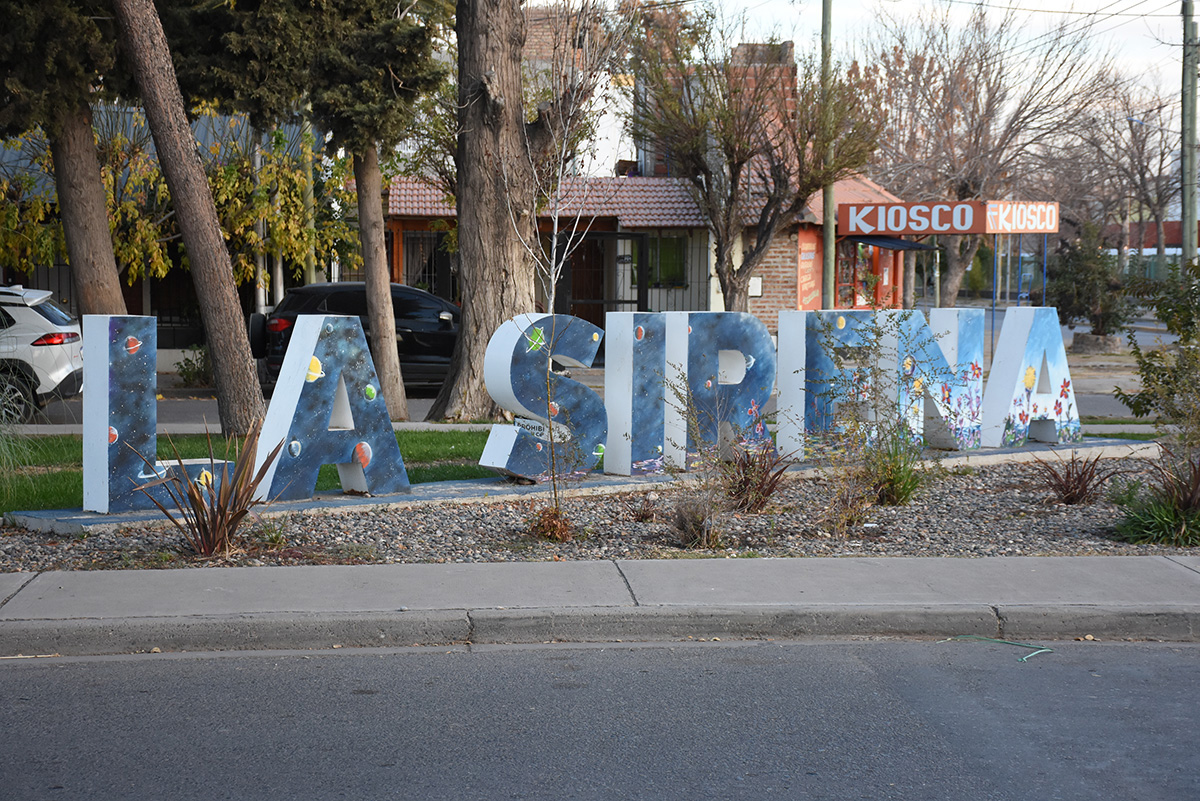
pixel 426 326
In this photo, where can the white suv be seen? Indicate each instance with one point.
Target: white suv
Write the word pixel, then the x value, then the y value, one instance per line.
pixel 40 352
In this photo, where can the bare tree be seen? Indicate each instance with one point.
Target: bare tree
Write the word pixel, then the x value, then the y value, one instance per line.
pixel 1145 143
pixel 969 103
pixel 575 61
pixel 1084 184
pixel 746 128
pixel 1120 167
pixel 239 396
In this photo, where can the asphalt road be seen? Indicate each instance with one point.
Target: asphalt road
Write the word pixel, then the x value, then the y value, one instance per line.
pixel 870 720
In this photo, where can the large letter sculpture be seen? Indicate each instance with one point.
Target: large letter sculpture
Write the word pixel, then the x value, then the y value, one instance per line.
pixel 634 367
pixel 827 385
pixel 327 409
pixel 930 371
pixel 573 422
pixel 721 371
pixel 793 372
pixel 942 360
pixel 1029 393
pixel 120 415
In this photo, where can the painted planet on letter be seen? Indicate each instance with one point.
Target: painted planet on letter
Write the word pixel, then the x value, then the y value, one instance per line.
pixel 315 370
pixel 639 333
pixel 362 454
pixel 369 392
pixel 112 435
pixel 294 448
pixel 132 345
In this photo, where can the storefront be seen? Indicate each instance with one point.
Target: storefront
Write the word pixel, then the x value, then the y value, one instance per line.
pixel 870 271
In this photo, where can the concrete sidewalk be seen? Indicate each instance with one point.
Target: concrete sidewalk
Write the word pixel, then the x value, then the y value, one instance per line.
pixel 1023 598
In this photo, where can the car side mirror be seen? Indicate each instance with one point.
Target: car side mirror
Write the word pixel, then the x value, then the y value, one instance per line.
pixel 446 317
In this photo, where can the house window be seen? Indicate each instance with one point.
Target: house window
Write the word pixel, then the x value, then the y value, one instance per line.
pixel 668 261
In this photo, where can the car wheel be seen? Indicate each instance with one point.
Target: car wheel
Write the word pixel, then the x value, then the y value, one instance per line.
pixel 258 335
pixel 16 399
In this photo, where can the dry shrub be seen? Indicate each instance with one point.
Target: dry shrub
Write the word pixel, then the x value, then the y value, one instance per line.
pixel 551 523
pixel 694 521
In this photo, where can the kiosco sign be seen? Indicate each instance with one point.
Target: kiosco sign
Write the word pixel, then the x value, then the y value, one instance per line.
pixel 327 407
pixel 964 217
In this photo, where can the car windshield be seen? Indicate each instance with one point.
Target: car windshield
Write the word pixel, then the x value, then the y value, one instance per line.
pixel 54 313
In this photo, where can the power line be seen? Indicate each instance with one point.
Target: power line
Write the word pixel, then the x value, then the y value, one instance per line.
pixel 1062 13
pixel 1083 27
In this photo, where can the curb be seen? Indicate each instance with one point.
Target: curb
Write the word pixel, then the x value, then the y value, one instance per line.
pixel 306 631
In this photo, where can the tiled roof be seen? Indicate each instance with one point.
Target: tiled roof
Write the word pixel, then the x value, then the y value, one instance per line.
pixel 635 202
pixel 408 197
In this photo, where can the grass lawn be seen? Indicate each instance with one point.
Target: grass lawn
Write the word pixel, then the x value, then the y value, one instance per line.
pixel 47 472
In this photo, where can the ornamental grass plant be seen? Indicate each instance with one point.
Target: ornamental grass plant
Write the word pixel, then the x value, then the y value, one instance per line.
pixel 751 476
pixel 1077 479
pixel 1167 511
pixel 895 469
pixel 208 510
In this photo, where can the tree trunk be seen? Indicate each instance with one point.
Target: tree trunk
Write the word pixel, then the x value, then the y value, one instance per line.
pixel 960 252
pixel 369 186
pixel 736 293
pixel 239 396
pixel 496 209
pixel 735 284
pixel 723 244
pixel 94 276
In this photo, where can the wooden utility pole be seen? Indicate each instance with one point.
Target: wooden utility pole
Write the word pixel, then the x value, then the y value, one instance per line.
pixel 829 202
pixel 1188 155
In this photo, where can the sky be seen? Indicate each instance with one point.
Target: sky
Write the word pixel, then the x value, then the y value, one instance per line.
pixel 1143 35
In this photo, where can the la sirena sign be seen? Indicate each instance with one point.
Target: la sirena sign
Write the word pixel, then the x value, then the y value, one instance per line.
pixel 327 407
pixel 962 217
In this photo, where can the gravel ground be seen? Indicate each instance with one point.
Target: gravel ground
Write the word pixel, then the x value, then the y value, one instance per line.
pixel 1004 510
